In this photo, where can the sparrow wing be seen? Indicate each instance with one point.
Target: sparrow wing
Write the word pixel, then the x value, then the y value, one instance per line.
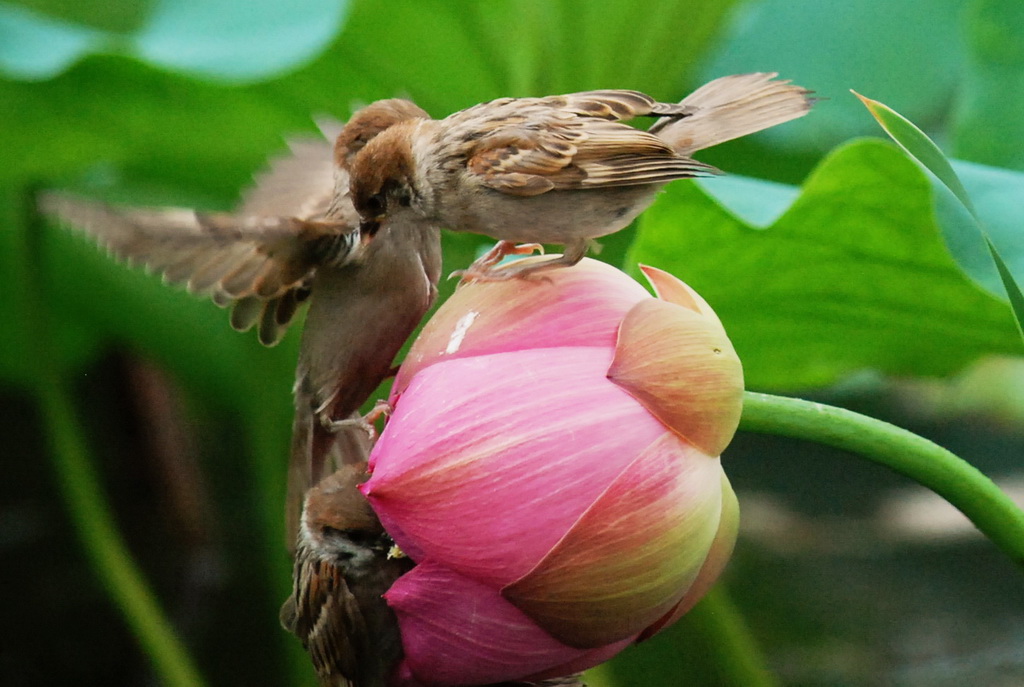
pixel 576 141
pixel 262 265
pixel 301 184
pixel 327 619
pixel 613 105
pixel 609 104
pixel 730 107
pixel 566 153
pixel 298 184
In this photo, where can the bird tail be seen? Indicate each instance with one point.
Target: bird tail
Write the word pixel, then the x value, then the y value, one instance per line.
pixel 730 107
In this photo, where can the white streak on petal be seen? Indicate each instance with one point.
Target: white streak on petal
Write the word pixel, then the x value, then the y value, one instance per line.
pixel 459 333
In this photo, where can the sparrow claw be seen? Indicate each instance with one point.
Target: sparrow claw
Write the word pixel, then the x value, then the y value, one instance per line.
pixel 366 422
pixel 335 426
pixel 486 267
pixel 380 409
pixel 494 274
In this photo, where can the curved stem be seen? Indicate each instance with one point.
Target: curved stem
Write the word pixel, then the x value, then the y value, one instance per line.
pixel 77 479
pixel 113 562
pixel 724 632
pixel 952 478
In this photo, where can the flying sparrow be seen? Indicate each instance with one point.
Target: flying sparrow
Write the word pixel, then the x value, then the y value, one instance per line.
pixel 294 238
pixel 561 169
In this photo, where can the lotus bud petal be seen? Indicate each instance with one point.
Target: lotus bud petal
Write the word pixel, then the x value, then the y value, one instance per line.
pixel 584 309
pixel 455 631
pixel 669 288
pixel 681 366
pixel 714 564
pixel 665 508
pixel 552 468
pixel 509 443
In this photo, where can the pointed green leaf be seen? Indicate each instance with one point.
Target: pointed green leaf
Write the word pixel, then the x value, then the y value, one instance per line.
pixel 917 144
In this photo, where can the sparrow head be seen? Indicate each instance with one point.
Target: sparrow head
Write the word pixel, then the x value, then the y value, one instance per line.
pixel 371 120
pixel 338 523
pixel 382 176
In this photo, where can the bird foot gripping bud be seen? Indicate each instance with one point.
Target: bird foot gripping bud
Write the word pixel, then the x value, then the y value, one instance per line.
pixel 488 266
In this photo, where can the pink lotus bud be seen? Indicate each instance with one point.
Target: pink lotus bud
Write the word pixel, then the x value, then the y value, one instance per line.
pixel 552 467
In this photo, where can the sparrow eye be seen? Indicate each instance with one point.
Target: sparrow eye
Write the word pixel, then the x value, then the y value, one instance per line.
pixel 375 205
pixel 357 537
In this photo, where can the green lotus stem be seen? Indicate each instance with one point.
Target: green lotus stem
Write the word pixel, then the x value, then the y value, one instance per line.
pixel 77 479
pixel 952 478
pixel 97 530
pixel 725 635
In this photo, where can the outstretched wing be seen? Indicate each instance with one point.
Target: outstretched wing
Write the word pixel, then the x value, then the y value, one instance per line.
pixel 260 264
pixel 576 141
pixel 298 184
pixel 260 259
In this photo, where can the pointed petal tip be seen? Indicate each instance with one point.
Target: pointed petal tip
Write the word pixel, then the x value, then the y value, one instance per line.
pixel 671 288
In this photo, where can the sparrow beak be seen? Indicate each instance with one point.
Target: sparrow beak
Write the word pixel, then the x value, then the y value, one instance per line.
pixel 368 229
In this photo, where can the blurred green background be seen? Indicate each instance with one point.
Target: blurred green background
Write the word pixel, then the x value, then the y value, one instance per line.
pixel 129 407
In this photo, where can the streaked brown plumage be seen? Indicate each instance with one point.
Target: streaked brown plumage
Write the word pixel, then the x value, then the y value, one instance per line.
pixel 342 569
pixel 294 238
pixel 260 259
pixel 562 169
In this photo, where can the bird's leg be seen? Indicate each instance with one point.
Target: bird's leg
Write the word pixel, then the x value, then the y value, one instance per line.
pixel 364 422
pixel 503 249
pixel 380 409
pixel 334 426
pixel 486 265
pixel 574 252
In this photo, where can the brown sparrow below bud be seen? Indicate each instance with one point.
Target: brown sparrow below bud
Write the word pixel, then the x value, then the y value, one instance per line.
pixel 343 567
pixel 342 570
pixel 296 237
pixel 562 169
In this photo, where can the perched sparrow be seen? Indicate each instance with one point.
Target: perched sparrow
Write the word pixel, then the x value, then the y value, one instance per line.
pixel 561 169
pixel 296 237
pixel 342 569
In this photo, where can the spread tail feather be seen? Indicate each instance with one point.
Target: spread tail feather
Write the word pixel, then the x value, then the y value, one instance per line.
pixel 730 107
